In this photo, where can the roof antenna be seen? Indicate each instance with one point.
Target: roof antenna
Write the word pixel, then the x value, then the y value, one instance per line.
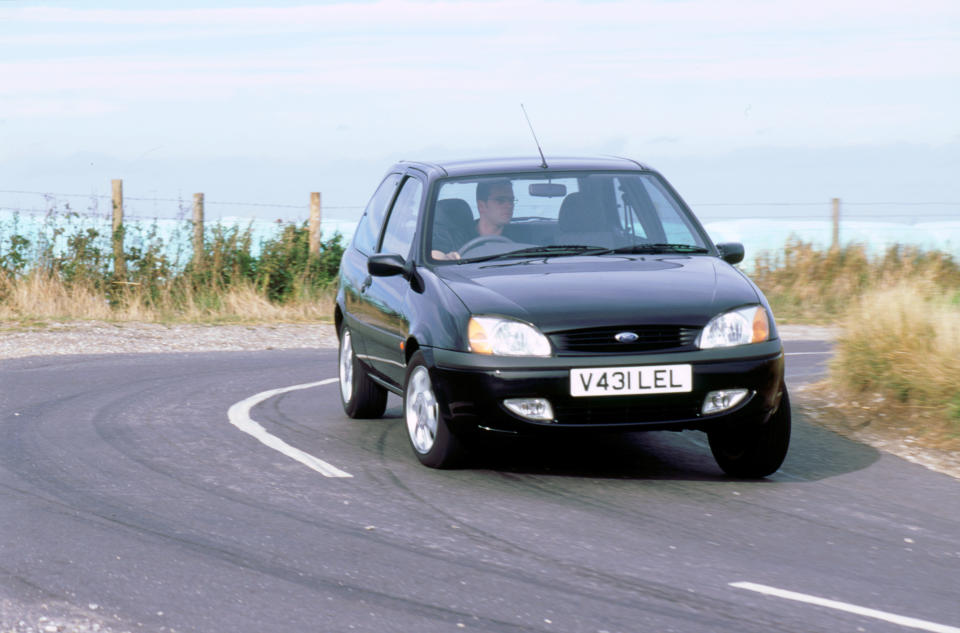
pixel 544 164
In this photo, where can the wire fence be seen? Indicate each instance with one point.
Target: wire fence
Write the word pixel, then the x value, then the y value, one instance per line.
pixel 911 212
pixel 40 226
pixel 759 225
pixel 43 203
pixel 178 208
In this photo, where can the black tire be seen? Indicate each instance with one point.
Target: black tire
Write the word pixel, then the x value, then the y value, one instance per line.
pixel 360 396
pixel 430 437
pixel 753 452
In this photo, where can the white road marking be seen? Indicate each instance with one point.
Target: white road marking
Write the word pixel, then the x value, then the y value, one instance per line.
pixel 239 415
pixel 893 618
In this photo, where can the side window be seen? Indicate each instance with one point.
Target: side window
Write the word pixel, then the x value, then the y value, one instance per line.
pixel 652 213
pixel 402 223
pixel 368 229
pixel 674 223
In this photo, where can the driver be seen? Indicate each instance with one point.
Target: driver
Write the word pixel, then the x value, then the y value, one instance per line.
pixel 495 204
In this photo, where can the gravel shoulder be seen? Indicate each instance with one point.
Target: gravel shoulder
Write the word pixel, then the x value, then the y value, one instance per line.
pixel 95 337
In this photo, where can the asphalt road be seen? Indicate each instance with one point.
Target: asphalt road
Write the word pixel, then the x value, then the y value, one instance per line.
pixel 131 500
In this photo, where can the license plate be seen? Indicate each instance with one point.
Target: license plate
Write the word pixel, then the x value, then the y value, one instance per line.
pixel 622 381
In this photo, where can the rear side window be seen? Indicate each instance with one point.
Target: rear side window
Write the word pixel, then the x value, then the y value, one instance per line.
pixel 368 229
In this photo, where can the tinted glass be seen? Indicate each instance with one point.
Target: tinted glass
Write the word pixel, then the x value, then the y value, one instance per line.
pixel 613 210
pixel 403 219
pixel 527 205
pixel 368 229
pixel 676 224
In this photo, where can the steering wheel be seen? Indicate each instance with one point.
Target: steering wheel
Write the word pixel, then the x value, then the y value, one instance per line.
pixel 483 240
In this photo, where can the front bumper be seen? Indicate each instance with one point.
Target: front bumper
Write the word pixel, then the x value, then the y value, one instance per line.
pixel 471 389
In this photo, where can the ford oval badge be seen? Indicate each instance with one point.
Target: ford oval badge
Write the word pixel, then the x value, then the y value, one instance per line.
pixel 626 337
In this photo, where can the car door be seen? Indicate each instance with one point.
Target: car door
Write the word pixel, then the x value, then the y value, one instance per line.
pixel 353 267
pixel 385 298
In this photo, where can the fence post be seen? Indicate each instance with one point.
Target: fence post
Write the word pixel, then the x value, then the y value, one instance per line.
pixel 198 230
pixel 315 211
pixel 119 262
pixel 836 223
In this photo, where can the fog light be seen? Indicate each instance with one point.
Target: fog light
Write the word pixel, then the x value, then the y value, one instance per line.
pixel 717 401
pixel 538 409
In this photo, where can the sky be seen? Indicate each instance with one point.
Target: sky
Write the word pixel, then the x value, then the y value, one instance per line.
pixel 736 103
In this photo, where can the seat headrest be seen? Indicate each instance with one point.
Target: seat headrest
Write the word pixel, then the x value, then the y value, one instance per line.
pixel 575 216
pixel 454 211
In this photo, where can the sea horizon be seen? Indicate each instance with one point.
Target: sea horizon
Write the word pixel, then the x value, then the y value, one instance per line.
pixel 760 234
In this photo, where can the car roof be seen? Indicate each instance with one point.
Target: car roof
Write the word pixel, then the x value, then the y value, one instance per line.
pixel 480 166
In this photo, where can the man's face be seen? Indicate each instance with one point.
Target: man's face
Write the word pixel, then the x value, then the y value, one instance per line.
pixel 498 207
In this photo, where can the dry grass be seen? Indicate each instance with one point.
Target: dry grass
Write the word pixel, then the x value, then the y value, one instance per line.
pixel 810 285
pixel 899 353
pixel 66 271
pixel 38 297
pixel 895 376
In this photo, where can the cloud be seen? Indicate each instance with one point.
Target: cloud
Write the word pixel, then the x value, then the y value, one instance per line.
pixel 416 69
pixel 510 13
pixel 49 107
pixel 479 46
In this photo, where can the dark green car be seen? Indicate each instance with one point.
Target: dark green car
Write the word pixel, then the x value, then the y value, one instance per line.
pixel 503 297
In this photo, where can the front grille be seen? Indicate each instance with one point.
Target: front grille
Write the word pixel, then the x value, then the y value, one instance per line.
pixel 650 338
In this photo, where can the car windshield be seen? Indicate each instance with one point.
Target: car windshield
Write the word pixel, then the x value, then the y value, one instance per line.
pixel 555 215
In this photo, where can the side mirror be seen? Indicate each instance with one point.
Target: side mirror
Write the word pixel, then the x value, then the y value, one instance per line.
pixel 731 252
pixel 390 264
pixel 385 265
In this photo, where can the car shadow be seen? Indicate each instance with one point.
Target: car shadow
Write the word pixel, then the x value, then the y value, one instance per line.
pixel 815 453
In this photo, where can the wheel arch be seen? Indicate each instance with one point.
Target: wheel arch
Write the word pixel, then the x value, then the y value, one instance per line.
pixel 337 319
pixel 410 347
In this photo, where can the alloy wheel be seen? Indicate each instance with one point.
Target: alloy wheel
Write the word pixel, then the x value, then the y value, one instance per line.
pixel 346 366
pixel 421 410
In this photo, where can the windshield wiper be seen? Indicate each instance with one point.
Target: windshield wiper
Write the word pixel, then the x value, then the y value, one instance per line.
pixel 660 248
pixel 554 250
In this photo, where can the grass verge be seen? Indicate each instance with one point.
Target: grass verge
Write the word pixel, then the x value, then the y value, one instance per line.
pixel 806 284
pixel 67 272
pixel 898 356
pixel 38 297
pixel 895 375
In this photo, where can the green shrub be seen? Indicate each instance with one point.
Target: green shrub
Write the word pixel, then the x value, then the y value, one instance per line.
pixel 77 252
pixel 285 268
pixel 14 259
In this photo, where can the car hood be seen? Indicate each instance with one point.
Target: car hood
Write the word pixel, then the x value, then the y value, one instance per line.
pixel 558 294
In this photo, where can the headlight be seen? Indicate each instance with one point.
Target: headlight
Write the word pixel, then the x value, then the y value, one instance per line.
pixel 506 337
pixel 737 327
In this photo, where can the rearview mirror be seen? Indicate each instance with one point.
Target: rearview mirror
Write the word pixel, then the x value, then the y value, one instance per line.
pixel 547 190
